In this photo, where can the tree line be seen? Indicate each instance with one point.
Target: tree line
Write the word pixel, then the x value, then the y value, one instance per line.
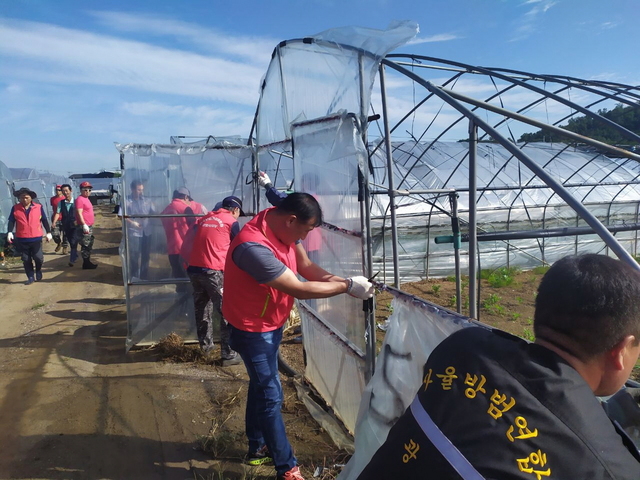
pixel 625 116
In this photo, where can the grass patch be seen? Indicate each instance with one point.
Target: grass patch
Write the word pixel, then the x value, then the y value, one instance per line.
pixel 37 306
pixel 500 277
pixel 541 270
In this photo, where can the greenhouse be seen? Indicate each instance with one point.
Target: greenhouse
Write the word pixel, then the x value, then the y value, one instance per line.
pixel 423 169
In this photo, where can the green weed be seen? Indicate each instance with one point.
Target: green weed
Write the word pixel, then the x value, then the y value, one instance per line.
pixel 500 277
pixel 37 306
pixel 436 288
pixel 541 270
pixel 528 335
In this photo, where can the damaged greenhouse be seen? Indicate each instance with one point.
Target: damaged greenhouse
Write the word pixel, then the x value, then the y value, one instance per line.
pixel 422 170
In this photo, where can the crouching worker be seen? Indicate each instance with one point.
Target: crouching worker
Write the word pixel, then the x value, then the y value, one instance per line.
pixel 495 406
pixel 260 284
pixel 28 219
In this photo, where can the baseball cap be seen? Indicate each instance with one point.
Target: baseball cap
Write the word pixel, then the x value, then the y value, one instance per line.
pixel 58 187
pixel 86 185
pixel 233 202
pixel 181 192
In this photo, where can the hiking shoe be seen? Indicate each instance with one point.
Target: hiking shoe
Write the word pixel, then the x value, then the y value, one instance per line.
pixel 228 362
pixel 38 276
pixel 293 474
pixel 29 281
pixel 260 457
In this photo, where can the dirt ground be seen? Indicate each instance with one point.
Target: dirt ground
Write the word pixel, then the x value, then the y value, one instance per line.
pixel 74 405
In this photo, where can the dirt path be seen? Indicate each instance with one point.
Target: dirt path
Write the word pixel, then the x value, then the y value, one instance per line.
pixel 73 404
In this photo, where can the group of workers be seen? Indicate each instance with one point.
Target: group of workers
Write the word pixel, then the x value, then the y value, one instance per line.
pixel 71 224
pixel 491 405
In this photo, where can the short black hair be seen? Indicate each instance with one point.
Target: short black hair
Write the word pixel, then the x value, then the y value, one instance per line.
pixel 592 301
pixel 135 183
pixel 302 205
pixel 66 185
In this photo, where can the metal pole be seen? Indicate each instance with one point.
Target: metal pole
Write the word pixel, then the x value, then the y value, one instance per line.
pixel 455 228
pixel 392 200
pixel 365 213
pixel 473 227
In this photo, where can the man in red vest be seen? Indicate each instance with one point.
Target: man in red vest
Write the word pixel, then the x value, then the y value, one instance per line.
pixel 176 227
pixel 56 228
pixel 28 219
pixel 212 236
pixel 260 285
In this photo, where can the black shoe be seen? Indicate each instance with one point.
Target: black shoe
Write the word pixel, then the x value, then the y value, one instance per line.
pixel 87 265
pixel 38 276
pixel 29 281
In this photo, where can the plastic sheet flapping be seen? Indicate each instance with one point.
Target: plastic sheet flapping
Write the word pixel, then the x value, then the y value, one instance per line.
pixel 415 328
pixel 333 71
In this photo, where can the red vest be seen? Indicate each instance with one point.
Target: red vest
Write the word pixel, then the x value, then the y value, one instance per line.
pixel 246 304
pixel 28 226
pixel 176 227
pixel 211 240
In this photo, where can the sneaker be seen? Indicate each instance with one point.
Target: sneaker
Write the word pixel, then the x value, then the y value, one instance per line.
pixel 228 362
pixel 38 276
pixel 29 281
pixel 293 474
pixel 58 247
pixel 260 457
pixel 64 250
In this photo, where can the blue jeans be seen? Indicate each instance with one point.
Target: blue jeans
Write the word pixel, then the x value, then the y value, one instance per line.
pixel 263 418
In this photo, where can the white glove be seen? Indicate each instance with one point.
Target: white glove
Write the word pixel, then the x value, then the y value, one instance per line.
pixel 360 287
pixel 49 237
pixel 263 179
pixel 85 229
pixel 10 237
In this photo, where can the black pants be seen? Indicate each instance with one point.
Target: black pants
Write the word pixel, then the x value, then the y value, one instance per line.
pixel 31 253
pixel 207 299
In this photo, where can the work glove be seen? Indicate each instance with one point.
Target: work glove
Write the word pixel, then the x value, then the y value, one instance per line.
pixel 360 287
pixel 264 180
pixel 10 237
pixel 49 237
pixel 85 229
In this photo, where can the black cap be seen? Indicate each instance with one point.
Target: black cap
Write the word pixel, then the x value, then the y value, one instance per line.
pixel 233 202
pixel 24 190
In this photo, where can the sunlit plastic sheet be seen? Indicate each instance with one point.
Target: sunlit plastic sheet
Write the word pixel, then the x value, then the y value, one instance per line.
pixel 328 154
pixel 510 198
pixel 415 328
pixel 319 75
pixel 6 196
pixel 162 303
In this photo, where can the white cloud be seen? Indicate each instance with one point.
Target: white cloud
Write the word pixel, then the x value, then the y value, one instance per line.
pixel 209 40
pixel 47 53
pixel 443 37
pixel 528 24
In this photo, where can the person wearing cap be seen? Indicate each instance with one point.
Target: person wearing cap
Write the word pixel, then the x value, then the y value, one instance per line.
pixel 177 225
pixel 56 228
pixel 260 285
pixel 66 215
pixel 206 255
pixel 28 219
pixel 84 225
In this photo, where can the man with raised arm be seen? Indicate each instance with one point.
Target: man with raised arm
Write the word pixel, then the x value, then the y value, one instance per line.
pixel 260 285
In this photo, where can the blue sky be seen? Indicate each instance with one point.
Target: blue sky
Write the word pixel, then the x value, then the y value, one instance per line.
pixel 76 76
